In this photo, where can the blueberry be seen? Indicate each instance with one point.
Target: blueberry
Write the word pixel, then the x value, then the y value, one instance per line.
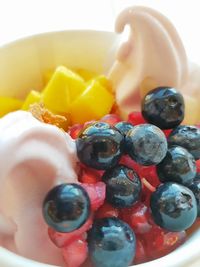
pixel 111 243
pixel 146 144
pixel 187 137
pixel 123 186
pixel 66 207
pixel 100 146
pixel 178 166
pixel 173 207
pixel 163 107
pixel 195 187
pixel 124 127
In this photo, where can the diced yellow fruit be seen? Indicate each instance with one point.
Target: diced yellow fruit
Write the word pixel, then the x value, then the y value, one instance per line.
pixel 63 87
pixel 192 110
pixel 32 97
pixel 103 80
pixel 86 74
pixel 92 104
pixel 8 104
pixel 47 76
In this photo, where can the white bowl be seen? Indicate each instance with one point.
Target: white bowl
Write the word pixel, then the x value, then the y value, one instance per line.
pixel 22 65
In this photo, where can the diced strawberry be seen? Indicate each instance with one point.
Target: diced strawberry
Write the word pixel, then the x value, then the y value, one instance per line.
pixel 63 239
pixel 127 161
pixel 75 130
pixel 167 132
pixel 97 194
pixel 89 176
pixel 198 165
pixel 138 218
pixel 75 253
pixel 136 118
pixel 112 119
pixel 150 174
pixel 107 211
pixel 140 255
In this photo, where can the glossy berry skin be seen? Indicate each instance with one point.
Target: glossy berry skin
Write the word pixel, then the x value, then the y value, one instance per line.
pixel 195 187
pixel 66 207
pixel 173 207
pixel 163 107
pixel 124 127
pixel 178 166
pixel 111 243
pixel 187 137
pixel 146 144
pixel 123 186
pixel 100 146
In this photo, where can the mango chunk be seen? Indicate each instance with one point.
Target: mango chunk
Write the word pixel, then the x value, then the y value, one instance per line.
pixel 62 89
pixel 9 104
pixel 47 76
pixel 32 97
pixel 92 104
pixel 86 74
pixel 103 80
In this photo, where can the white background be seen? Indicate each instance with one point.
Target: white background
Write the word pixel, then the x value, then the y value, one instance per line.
pixel 19 18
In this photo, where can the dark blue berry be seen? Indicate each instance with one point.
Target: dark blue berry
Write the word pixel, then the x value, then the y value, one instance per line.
pixel 177 166
pixel 124 127
pixel 146 144
pixel 195 187
pixel 187 137
pixel 123 186
pixel 173 207
pixel 100 146
pixel 111 243
pixel 163 107
pixel 66 207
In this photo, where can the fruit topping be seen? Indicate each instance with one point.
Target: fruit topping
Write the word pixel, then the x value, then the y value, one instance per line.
pixel 123 186
pixel 163 107
pixel 99 146
pixel 111 243
pixel 177 166
pixel 187 137
pixel 66 207
pixel 195 187
pixel 146 144
pixel 174 207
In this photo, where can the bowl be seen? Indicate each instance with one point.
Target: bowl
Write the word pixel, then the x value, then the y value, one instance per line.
pixel 22 65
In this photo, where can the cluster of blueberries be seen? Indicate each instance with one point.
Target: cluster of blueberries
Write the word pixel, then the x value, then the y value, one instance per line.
pixel 175 204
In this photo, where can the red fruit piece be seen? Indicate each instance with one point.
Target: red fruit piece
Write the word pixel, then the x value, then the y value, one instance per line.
pixel 198 165
pixel 107 211
pixel 159 242
pixel 76 253
pixel 167 132
pixel 89 176
pixel 127 161
pixel 140 255
pixel 112 119
pixel 97 194
pixel 64 239
pixel 136 118
pixel 75 130
pixel 150 174
pixel 138 218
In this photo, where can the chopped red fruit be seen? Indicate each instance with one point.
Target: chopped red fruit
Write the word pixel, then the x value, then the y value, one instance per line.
pixel 127 161
pixel 198 165
pixel 63 239
pixel 140 255
pixel 97 194
pixel 167 132
pixel 76 253
pixel 107 211
pixel 160 243
pixel 136 118
pixel 138 218
pixel 75 130
pixel 87 123
pixel 112 119
pixel 89 176
pixel 150 174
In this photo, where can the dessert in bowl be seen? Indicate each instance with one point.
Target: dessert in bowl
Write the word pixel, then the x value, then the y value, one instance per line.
pixel 35 157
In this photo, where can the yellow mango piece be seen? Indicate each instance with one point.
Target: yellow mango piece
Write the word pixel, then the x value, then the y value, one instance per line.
pixel 9 104
pixel 62 89
pixel 86 74
pixel 32 97
pixel 47 76
pixel 92 104
pixel 103 80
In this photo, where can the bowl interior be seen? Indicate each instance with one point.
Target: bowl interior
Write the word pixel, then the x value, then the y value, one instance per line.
pixel 22 65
